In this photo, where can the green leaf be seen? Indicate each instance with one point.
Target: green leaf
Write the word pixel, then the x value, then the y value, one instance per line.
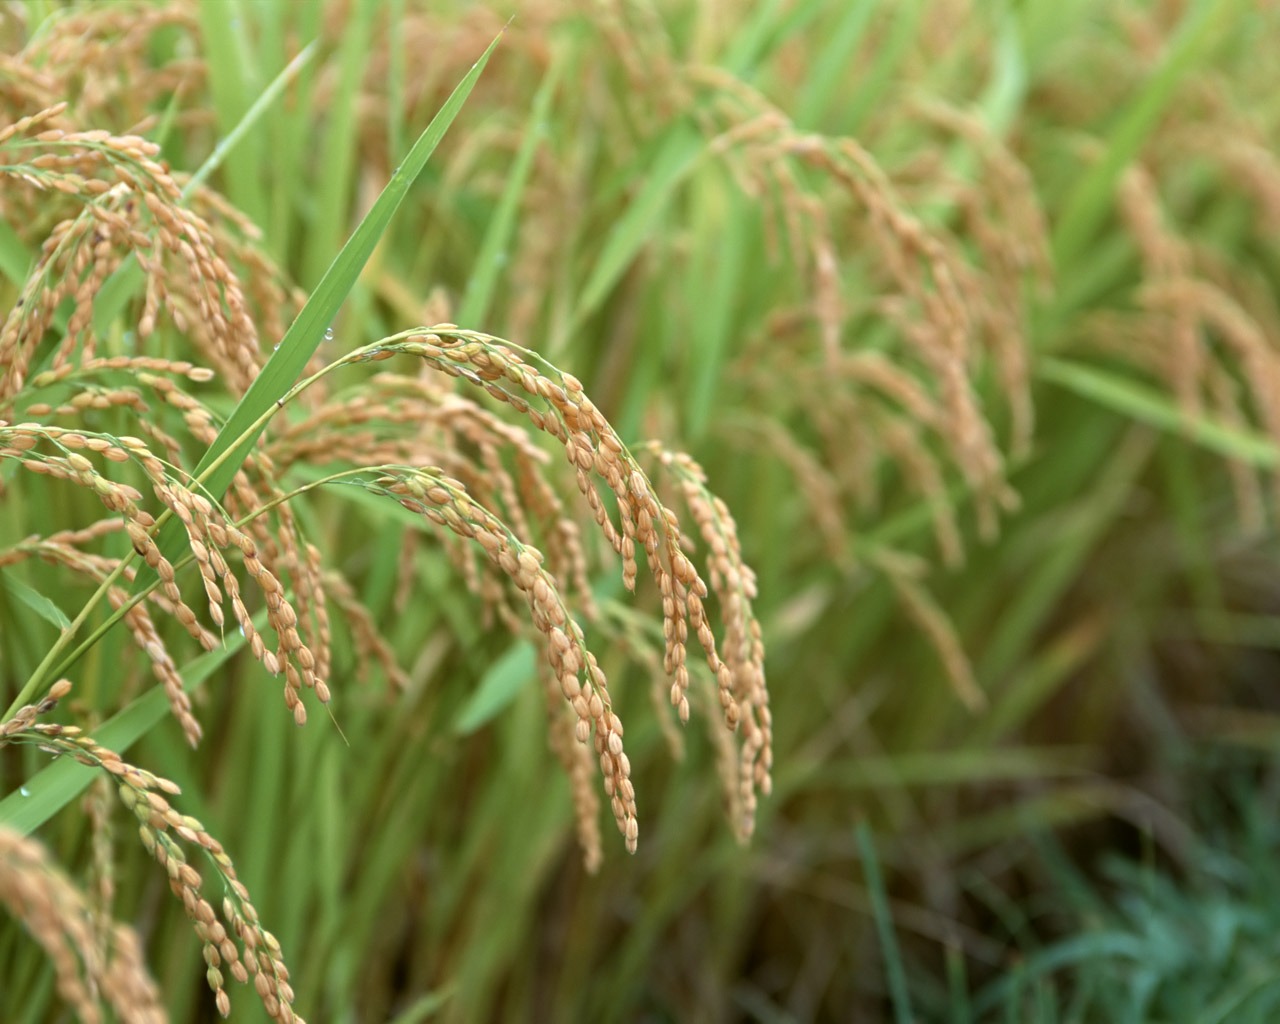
pixel 490 260
pixel 828 70
pixel 52 788
pixel 233 79
pixel 338 152
pixel 674 162
pixel 237 438
pixel 890 955
pixel 1090 201
pixel 15 258
pixel 425 1007
pixel 498 688
pixel 35 600
pixel 1148 405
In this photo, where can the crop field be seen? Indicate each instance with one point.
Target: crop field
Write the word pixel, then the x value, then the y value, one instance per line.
pixel 641 510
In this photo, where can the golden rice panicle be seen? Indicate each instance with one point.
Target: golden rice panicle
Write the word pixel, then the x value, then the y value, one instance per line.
pixel 1166 258
pixel 142 628
pixel 210 533
pixel 24 718
pixel 274 300
pixel 402 420
pixel 575 758
pixel 279 547
pixel 556 404
pixel 446 503
pixel 93 959
pixel 115 40
pixel 1002 215
pixel 131 205
pixel 98 803
pixel 292 656
pixel 945 303
pixel 22 442
pixel 235 941
pixel 1206 331
pixel 63 549
pixel 92 964
pixel 740 678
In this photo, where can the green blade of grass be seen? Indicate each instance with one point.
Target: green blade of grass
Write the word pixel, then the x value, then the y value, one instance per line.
pixel 499 687
pixel 714 288
pixel 673 163
pixel 1002 100
pixel 1107 947
pixel 233 80
pixel 829 69
pixel 396 73
pixel 52 788
pixel 237 437
pixel 489 261
pixel 337 158
pixel 879 896
pixel 1080 528
pixel 425 1007
pixel 292 175
pixel 1153 407
pixel 36 601
pixel 1090 200
pixel 753 39
pixel 15 257
pixel 887 68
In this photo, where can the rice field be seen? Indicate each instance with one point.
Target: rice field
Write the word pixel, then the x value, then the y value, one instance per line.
pixel 638 511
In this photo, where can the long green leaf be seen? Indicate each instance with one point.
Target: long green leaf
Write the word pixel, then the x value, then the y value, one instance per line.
pixel 124 283
pixel 894 971
pixel 15 257
pixel 499 687
pixel 1087 206
pixel 338 152
pixel 492 255
pixel 304 335
pixel 1146 404
pixel 643 218
pixel 52 788
pixel 34 600
pixel 233 79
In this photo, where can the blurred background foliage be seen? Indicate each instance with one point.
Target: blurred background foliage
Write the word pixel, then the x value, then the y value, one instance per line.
pixel 968 309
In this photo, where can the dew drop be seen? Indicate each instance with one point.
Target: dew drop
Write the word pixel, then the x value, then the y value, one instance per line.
pixel 242 630
pixel 276 347
pixel 24 791
pixel 328 334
